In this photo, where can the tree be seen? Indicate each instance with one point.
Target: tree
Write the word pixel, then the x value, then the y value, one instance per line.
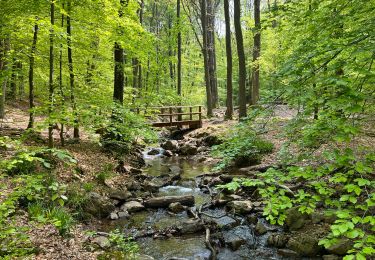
pixel 241 60
pixel 31 75
pixel 256 54
pixel 51 73
pixel 228 45
pixel 71 71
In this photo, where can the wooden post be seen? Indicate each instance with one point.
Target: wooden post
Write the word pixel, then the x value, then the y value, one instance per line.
pixel 191 113
pixel 170 116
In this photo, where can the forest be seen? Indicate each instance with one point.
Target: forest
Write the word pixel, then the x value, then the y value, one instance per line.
pixel 187 129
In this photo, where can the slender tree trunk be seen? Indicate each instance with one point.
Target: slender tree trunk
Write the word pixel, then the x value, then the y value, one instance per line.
pixel 13 81
pixel 241 60
pixel 71 72
pixel 135 77
pixel 205 57
pixel 228 45
pixel 31 76
pixel 21 85
pixel 170 51
pixel 5 50
pixel 139 63
pixel 179 81
pixel 256 54
pixel 62 139
pixel 51 73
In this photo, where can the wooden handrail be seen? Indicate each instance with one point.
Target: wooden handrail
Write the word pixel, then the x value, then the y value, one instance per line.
pixel 179 114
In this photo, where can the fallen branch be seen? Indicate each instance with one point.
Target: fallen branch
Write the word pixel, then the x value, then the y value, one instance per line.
pixel 209 245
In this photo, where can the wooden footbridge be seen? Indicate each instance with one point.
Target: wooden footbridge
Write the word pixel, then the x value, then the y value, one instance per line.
pixel 180 116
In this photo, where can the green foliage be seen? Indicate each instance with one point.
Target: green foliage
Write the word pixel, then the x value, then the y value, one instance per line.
pixel 344 186
pixel 124 244
pixel 242 145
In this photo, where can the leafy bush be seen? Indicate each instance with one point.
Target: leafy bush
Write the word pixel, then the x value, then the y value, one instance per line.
pixel 345 187
pixel 241 147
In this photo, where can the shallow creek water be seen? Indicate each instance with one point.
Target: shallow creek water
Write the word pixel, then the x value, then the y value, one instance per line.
pixel 188 246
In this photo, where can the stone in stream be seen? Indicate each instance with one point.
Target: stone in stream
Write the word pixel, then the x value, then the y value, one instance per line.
pixel 238 236
pixel 168 153
pixel 113 216
pixel 260 228
pixel 191 226
pixel 305 245
pixel 176 207
pixel 153 151
pixel 287 253
pixel 123 214
pixel 295 219
pixel 225 222
pixel 240 206
pixel 164 202
pixel 132 206
pixel 98 206
pixel 171 145
pixel 120 194
pixel 189 149
pixel 341 247
pixel 277 240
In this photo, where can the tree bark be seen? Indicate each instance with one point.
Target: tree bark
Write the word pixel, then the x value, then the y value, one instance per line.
pixel 205 57
pixel 31 76
pixel 13 84
pixel 4 69
pixel 51 73
pixel 179 82
pixel 71 71
pixel 256 54
pixel 228 45
pixel 241 60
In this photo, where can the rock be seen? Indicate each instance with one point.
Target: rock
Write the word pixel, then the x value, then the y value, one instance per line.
pixel 252 219
pixel 331 257
pixel 330 218
pixel 277 240
pixel 102 242
pixel 98 206
pixel 164 202
pixel 316 217
pixel 133 185
pixel 153 185
pixel 153 151
pixel 295 219
pixel 113 216
pixel 135 171
pixel 240 206
pixel 143 257
pixel 123 214
pixel 132 206
pixel 189 149
pixel 234 197
pixel 238 236
pixel 260 228
pixel 212 140
pixel 287 253
pixel 341 247
pixel 304 245
pixel 171 145
pixel 120 194
pixel 176 207
pixel 191 226
pixel 168 153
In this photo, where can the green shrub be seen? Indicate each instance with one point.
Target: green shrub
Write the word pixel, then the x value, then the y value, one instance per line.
pixel 242 147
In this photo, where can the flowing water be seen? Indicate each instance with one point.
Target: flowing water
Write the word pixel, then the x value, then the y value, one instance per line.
pixel 189 246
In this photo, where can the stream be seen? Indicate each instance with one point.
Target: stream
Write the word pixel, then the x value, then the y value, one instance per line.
pixel 235 236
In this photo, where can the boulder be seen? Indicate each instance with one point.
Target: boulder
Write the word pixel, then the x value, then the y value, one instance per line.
pixel 304 245
pixel 132 206
pixel 168 153
pixel 288 253
pixel 189 149
pixel 260 228
pixel 176 207
pixel 120 194
pixel 240 206
pixel 102 241
pixel 212 140
pixel 277 240
pixel 113 216
pixel 123 214
pixel 191 226
pixel 238 236
pixel 98 206
pixel 295 219
pixel 171 145
pixel 153 151
pixel 340 247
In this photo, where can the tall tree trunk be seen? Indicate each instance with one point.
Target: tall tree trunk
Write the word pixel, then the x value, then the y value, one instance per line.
pixel 31 75
pixel 139 63
pixel 135 77
pixel 179 80
pixel 210 12
pixel 256 54
pixel 241 60
pixel 51 73
pixel 228 45
pixel 205 57
pixel 13 81
pixel 21 83
pixel 71 72
pixel 5 50
pixel 119 77
pixel 62 139
pixel 170 51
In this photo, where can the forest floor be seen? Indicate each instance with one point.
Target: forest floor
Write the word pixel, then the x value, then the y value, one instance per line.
pixel 92 161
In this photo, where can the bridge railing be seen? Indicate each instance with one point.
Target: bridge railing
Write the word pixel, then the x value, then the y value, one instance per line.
pixel 173 115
